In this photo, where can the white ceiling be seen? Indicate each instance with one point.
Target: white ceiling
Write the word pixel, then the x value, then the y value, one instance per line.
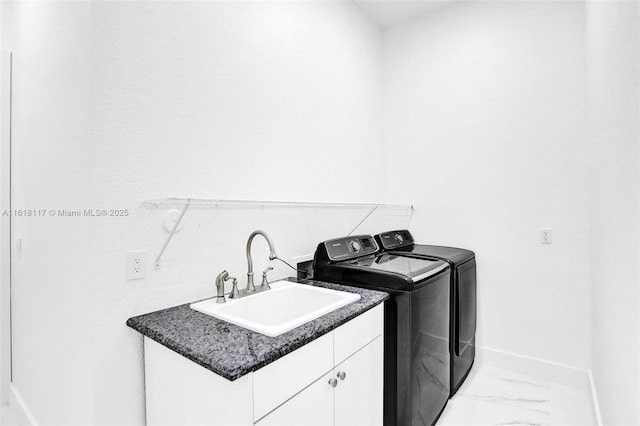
pixel 390 12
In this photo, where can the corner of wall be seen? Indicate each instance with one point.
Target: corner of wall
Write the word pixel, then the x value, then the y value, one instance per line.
pixel 595 405
pixel 18 404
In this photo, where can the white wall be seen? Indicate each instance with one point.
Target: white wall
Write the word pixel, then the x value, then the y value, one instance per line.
pixel 614 91
pixel 239 100
pixel 5 291
pixel 51 104
pixel 488 99
pixel 129 101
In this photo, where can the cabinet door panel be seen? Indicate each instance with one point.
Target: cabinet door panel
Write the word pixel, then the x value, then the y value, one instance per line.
pixel 356 333
pixel 180 392
pixel 313 406
pixel 282 379
pixel 358 398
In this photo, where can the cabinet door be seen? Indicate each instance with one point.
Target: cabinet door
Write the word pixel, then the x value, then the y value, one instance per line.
pixel 279 381
pixel 180 392
pixel 313 406
pixel 358 397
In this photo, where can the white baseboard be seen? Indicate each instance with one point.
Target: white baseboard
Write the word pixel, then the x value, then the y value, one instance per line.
pixel 17 403
pixel 546 370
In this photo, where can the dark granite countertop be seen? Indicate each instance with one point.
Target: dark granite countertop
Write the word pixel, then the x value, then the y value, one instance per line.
pixel 232 351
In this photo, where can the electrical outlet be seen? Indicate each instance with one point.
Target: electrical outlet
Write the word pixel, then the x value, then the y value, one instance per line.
pixel 136 265
pixel 545 236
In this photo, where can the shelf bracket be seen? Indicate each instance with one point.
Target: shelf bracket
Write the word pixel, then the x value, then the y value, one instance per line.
pixel 362 221
pixel 171 234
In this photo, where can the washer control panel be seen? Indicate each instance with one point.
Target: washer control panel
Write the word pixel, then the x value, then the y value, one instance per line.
pixel 350 247
pixel 394 239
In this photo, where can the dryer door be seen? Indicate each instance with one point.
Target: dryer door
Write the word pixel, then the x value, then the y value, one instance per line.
pixel 465 295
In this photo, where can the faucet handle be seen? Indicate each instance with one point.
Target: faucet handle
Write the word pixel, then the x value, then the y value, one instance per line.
pixel 265 283
pixel 235 293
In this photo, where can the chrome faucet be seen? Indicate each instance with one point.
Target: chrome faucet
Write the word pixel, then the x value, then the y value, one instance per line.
pixel 250 286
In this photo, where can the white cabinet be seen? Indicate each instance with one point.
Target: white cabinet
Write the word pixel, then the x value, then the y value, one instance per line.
pixel 180 392
pixel 358 398
pixel 349 395
pixel 313 406
pixel 293 390
pixel 277 382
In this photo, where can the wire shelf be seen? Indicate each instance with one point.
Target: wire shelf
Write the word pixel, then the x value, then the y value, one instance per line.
pixel 187 202
pixel 213 202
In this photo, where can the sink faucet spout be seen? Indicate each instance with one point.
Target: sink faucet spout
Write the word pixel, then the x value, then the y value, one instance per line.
pixel 272 255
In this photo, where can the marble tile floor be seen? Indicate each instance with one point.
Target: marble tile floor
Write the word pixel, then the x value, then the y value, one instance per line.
pixel 492 396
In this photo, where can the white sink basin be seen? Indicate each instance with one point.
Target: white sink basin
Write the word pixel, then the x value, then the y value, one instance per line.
pixel 286 306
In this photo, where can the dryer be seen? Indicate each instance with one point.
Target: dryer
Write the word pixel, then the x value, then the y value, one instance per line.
pixel 462 295
pixel 416 322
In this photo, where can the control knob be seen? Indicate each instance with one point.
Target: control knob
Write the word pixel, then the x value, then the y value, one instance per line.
pixel 399 238
pixel 355 246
